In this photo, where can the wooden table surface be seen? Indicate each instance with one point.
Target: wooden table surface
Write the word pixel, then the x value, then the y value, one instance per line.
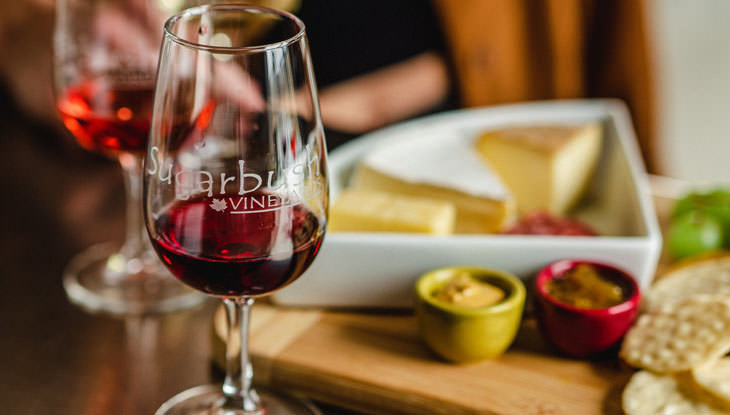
pixel 377 363
pixel 57 359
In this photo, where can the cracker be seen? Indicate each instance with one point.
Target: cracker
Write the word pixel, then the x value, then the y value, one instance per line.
pixel 705 275
pixel 651 394
pixel 714 379
pixel 679 336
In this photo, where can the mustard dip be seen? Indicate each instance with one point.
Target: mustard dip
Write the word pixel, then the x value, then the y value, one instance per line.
pixel 466 291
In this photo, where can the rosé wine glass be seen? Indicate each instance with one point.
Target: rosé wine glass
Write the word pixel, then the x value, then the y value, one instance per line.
pixel 235 179
pixel 105 58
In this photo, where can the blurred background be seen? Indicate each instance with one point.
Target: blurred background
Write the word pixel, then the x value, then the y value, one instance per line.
pixel 379 62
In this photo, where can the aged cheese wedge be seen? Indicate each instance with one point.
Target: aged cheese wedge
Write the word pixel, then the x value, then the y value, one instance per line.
pixel 545 167
pixel 441 167
pixel 359 210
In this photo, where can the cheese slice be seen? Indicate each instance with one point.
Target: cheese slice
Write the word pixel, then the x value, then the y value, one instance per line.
pixel 372 211
pixel 443 167
pixel 545 167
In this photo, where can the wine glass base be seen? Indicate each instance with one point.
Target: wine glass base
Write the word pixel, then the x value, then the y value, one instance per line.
pixel 100 280
pixel 204 400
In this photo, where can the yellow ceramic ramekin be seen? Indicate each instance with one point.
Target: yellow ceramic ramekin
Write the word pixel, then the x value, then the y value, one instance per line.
pixel 467 334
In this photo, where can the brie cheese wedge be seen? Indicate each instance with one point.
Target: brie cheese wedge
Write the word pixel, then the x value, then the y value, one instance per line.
pixel 443 167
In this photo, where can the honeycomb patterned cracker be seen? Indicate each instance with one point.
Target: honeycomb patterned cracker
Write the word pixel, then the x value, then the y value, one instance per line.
pixel 679 336
pixel 715 380
pixel 706 276
pixel 652 394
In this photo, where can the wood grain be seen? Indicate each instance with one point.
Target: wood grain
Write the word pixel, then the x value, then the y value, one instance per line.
pixel 377 363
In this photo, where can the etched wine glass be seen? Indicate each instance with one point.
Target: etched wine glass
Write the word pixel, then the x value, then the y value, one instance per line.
pixel 235 185
pixel 105 58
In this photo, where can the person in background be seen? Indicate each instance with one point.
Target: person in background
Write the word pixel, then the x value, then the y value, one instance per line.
pixel 382 61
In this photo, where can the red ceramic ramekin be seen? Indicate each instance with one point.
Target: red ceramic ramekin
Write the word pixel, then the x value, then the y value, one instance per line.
pixel 582 331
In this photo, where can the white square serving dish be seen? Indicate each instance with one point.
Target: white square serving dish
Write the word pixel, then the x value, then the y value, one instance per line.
pixel 379 269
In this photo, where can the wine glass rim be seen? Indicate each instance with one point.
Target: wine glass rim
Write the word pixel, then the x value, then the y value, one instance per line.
pixel 199 10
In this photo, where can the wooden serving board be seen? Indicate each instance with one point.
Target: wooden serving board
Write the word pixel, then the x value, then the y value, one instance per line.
pixel 377 363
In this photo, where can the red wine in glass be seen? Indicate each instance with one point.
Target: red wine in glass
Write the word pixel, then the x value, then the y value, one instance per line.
pixel 235 180
pixel 104 65
pixel 247 252
pixel 108 118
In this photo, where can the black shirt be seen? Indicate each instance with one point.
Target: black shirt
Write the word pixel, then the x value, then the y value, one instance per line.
pixel 349 38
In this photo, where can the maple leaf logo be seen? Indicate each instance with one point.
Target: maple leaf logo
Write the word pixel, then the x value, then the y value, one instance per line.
pixel 219 205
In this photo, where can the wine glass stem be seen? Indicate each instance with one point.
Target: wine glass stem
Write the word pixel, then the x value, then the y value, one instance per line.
pixel 135 243
pixel 239 395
